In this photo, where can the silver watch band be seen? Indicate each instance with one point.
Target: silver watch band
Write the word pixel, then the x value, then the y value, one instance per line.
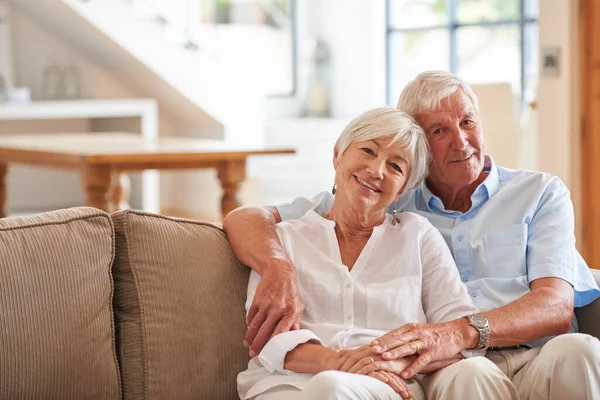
pixel 481 323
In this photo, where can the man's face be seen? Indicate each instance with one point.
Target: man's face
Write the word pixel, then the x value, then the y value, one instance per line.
pixel 454 134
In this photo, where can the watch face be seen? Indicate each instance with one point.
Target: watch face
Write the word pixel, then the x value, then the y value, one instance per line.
pixel 478 321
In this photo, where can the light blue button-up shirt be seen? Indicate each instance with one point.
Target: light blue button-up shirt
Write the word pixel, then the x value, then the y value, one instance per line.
pixel 520 228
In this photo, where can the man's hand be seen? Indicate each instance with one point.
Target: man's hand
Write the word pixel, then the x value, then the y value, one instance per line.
pixel 276 307
pixel 428 342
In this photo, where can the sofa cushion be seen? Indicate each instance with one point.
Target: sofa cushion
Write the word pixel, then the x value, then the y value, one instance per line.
pixel 588 317
pixel 179 308
pixel 56 322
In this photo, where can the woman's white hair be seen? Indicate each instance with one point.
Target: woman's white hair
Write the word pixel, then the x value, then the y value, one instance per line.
pixel 429 88
pixel 390 123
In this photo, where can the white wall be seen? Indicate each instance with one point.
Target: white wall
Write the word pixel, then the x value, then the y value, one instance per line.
pixel 355 33
pixel 558 98
pixel 5 43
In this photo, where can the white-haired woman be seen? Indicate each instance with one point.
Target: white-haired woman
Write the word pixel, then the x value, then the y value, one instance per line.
pixel 361 273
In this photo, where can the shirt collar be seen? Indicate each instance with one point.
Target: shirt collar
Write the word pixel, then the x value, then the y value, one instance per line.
pixel 483 192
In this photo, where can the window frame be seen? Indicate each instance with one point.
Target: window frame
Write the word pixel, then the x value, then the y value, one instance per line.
pixel 452 27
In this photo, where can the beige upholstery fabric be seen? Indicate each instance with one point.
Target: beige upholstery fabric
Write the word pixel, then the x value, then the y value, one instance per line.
pixel 56 324
pixel 588 317
pixel 179 296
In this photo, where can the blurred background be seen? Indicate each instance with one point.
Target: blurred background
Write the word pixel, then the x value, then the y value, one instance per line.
pixel 284 73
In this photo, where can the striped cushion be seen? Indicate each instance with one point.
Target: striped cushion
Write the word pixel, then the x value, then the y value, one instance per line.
pixel 56 323
pixel 179 308
pixel 588 317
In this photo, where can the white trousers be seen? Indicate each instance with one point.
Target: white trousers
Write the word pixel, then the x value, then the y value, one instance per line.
pixel 567 367
pixel 476 378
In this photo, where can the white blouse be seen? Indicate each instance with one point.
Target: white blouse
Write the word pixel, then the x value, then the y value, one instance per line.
pixel 405 273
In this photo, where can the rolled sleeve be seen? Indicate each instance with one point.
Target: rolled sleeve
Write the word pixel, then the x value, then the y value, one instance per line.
pixel 551 239
pixel 272 356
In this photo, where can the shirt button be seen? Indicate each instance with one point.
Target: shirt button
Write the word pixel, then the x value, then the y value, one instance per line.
pixel 460 238
pixel 473 293
pixel 337 348
pixel 464 278
pixel 349 317
pixel 348 286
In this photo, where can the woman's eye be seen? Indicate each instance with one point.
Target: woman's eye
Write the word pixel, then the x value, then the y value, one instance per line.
pixel 396 167
pixel 367 150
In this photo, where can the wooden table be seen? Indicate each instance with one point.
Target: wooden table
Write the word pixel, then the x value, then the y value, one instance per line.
pixel 104 158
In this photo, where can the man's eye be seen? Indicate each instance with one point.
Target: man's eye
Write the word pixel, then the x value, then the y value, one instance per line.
pixel 468 122
pixel 367 150
pixel 437 131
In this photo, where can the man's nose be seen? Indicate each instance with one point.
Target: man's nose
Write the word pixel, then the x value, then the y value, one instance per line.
pixel 459 138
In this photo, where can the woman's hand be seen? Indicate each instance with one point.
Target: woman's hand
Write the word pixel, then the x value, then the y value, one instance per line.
pixel 357 360
pixel 394 381
pixel 426 342
pixel 348 358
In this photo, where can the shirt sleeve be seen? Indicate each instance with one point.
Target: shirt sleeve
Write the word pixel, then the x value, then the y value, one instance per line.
pixel 272 356
pixel 551 236
pixel 295 209
pixel 444 296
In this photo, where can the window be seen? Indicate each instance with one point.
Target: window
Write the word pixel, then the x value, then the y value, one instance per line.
pixel 480 40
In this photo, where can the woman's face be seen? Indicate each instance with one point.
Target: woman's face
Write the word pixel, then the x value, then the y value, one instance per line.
pixel 371 174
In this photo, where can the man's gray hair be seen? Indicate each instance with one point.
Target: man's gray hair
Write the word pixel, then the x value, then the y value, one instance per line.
pixel 429 88
pixel 390 123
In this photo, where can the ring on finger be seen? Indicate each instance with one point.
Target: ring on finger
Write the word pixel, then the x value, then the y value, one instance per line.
pixel 417 347
pixel 372 360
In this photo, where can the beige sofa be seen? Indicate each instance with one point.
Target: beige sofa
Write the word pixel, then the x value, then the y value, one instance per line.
pixel 130 305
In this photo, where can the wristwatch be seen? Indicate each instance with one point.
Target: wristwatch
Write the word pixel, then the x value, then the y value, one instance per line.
pixel 483 326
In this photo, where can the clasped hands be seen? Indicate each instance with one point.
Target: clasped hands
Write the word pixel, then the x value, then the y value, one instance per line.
pixel 365 360
pixel 402 353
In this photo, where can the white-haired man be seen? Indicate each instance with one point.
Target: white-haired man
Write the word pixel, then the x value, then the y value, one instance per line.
pixel 512 237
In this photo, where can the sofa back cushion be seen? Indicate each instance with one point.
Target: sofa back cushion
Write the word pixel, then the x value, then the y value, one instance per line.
pixel 588 317
pixel 56 324
pixel 179 308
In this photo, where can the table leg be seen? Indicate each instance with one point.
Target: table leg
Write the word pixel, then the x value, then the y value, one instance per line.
pixel 231 175
pixel 120 189
pixel 96 183
pixel 3 173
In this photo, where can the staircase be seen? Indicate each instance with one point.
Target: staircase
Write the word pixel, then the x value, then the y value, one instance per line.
pixel 200 71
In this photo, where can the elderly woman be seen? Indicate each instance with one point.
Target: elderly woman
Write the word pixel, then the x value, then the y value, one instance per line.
pixel 362 273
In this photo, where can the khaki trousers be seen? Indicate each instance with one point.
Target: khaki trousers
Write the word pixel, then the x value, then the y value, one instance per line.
pixel 567 367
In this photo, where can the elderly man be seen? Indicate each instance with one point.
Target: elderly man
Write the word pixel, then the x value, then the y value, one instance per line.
pixel 511 234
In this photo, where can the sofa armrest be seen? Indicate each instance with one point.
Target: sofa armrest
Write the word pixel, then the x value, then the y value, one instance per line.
pixel 588 317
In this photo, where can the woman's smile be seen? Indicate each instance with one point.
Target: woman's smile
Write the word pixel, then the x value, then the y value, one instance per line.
pixel 365 184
